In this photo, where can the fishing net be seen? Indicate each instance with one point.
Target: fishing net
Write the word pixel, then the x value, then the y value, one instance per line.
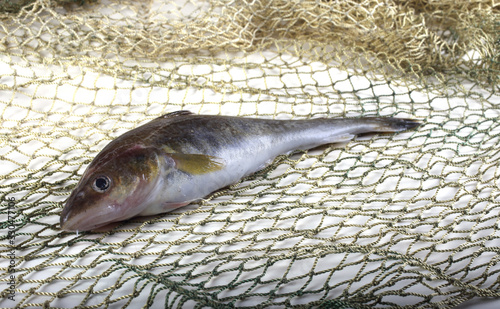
pixel 384 221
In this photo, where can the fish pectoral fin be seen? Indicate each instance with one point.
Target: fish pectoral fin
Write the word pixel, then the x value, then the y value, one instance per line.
pixel 197 164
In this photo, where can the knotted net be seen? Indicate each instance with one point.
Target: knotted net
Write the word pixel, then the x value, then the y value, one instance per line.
pixel 406 220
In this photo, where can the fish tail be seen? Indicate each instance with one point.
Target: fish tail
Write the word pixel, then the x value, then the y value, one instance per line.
pixel 383 124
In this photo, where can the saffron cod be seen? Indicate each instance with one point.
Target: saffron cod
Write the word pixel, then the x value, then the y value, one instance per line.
pixel 181 157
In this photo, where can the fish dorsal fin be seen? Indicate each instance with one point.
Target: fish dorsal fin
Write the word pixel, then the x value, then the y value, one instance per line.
pixel 197 164
pixel 177 113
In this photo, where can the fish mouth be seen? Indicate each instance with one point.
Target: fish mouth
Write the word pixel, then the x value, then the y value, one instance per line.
pixel 89 220
pixel 80 222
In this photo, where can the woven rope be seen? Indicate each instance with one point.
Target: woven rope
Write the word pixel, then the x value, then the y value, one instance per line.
pixel 406 220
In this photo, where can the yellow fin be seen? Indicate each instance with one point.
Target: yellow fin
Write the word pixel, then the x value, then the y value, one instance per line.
pixel 197 164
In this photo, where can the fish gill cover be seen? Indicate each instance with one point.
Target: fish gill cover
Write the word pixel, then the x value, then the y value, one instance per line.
pixel 406 220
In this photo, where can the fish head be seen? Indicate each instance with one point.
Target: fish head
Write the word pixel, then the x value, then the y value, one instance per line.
pixel 115 187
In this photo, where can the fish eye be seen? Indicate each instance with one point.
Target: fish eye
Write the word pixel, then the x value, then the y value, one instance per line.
pixel 101 184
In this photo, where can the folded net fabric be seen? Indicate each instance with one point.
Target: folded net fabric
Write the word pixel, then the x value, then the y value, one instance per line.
pixel 407 220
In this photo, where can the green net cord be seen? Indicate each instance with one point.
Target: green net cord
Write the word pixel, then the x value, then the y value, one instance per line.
pixel 384 221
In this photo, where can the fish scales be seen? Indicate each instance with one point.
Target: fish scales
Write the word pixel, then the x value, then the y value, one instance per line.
pixel 182 157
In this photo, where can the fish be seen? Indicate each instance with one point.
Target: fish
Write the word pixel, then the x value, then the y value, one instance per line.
pixel 182 157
